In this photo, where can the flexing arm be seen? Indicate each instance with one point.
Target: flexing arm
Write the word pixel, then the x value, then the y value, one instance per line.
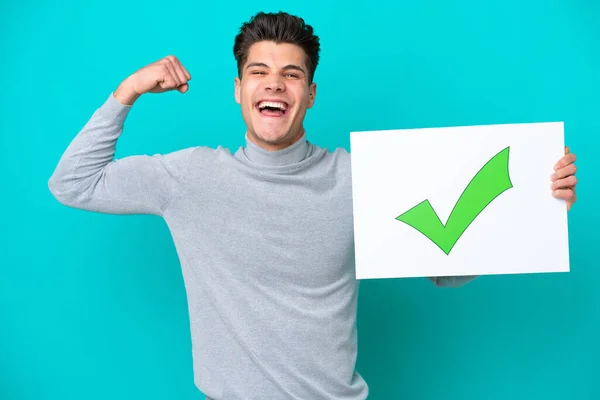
pixel 87 175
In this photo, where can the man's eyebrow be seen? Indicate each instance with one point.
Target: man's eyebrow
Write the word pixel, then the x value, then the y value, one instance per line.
pixel 257 64
pixel 296 67
pixel 289 66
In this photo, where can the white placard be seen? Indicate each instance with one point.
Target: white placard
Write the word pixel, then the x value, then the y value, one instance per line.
pixel 406 184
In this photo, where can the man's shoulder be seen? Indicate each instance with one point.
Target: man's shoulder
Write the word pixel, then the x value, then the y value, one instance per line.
pixel 201 152
pixel 338 155
pixel 334 151
pixel 196 155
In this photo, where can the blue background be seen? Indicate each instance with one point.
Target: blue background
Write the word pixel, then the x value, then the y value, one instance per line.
pixel 93 306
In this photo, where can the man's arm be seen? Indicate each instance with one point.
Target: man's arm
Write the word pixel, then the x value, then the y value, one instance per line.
pixel 89 178
pixel 87 175
pixel 452 281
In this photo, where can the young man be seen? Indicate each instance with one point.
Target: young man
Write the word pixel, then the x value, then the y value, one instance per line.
pixel 264 235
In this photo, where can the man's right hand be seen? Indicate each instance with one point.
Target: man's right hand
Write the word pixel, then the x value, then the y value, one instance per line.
pixel 161 76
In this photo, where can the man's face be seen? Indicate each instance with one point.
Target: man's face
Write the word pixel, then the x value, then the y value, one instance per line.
pixel 274 94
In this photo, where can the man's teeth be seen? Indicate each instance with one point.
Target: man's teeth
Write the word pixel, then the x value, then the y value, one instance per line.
pixel 272 104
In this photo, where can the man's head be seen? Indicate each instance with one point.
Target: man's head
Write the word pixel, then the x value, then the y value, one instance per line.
pixel 277 55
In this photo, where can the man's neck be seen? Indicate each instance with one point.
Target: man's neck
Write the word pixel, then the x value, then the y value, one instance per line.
pixel 295 152
pixel 275 146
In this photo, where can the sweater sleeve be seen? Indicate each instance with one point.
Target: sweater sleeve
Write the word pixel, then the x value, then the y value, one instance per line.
pixel 452 281
pixel 88 176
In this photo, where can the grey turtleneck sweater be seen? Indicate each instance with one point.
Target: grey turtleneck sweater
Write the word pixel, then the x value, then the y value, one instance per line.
pixel 265 241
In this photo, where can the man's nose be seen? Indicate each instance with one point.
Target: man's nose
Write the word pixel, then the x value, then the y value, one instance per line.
pixel 275 83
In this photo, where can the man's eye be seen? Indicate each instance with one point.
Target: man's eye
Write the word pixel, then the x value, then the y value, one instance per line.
pixel 291 75
pixel 257 73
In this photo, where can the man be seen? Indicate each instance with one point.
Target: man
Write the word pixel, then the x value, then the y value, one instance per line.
pixel 264 235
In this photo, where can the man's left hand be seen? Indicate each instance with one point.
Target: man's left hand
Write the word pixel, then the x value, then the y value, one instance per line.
pixel 564 180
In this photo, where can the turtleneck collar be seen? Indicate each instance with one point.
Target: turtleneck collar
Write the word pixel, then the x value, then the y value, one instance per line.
pixel 289 155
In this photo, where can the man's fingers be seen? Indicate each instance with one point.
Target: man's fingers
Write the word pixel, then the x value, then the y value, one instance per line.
pixel 565 160
pixel 178 70
pixel 189 76
pixel 568 182
pixel 570 169
pixel 565 194
pixel 185 75
pixel 168 81
pixel 171 68
pixel 179 74
pixel 183 88
pixel 563 179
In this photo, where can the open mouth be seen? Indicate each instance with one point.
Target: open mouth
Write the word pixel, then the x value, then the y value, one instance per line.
pixel 272 108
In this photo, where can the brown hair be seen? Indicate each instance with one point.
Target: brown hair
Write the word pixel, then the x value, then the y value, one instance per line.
pixel 278 27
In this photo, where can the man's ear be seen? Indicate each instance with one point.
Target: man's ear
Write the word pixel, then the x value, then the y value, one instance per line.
pixel 237 87
pixel 312 93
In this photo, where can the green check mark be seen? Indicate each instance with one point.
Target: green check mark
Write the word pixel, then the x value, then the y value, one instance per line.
pixel 491 181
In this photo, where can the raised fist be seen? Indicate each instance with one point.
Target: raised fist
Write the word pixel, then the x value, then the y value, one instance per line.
pixel 161 76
